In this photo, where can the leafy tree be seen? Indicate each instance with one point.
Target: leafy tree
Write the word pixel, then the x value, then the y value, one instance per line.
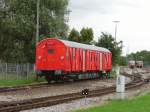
pixel 122 61
pixel 86 35
pixel 107 41
pixel 18 26
pixel 74 35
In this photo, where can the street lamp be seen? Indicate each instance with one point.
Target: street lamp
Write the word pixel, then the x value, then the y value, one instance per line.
pixel 37 21
pixel 116 22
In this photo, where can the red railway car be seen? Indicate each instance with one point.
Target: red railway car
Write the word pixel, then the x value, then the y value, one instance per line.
pixel 61 59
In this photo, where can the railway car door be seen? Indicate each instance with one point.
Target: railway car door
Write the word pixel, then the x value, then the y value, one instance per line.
pixel 55 56
pixel 51 58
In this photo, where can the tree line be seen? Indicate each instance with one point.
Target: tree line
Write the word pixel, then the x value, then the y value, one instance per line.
pixel 18 29
pixel 18 26
pixel 143 55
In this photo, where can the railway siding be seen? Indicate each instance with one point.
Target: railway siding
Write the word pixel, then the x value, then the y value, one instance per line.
pixel 53 100
pixel 28 92
pixel 57 99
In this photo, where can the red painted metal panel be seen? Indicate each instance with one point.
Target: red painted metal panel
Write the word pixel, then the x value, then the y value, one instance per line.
pixel 84 60
pixel 68 64
pixel 71 58
pixel 95 60
pixel 109 63
pixel 104 61
pixel 41 56
pixel 87 60
pixel 90 62
pixel 49 56
pixel 80 60
pixel 74 59
pixel 98 61
pixel 92 65
pixel 77 59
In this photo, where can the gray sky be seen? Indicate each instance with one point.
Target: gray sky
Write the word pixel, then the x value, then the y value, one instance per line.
pixel 134 17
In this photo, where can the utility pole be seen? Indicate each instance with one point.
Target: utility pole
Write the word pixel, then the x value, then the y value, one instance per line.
pixel 116 22
pixel 37 21
pixel 37 25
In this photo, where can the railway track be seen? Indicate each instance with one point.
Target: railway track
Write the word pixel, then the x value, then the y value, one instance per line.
pixel 17 88
pixel 16 106
pixel 137 73
pixel 41 85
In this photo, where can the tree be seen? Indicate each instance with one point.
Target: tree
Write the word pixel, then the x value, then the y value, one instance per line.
pixel 86 35
pixel 107 41
pixel 18 26
pixel 122 61
pixel 74 35
pixel 53 18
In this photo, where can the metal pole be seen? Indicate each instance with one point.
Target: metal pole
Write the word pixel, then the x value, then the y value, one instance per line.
pixel 37 20
pixel 115 31
pixel 116 22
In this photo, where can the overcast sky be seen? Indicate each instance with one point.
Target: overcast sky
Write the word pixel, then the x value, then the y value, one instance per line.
pixel 134 17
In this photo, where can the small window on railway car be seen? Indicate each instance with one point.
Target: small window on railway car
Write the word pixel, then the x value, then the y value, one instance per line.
pixel 50 51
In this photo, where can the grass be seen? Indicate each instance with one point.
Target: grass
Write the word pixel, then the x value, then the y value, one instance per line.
pixel 20 81
pixel 137 104
pixel 113 74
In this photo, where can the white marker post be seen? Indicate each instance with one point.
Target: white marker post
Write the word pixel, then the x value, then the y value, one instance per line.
pixel 120 88
pixel 120 85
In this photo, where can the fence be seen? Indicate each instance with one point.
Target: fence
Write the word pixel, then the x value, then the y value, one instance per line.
pixel 16 71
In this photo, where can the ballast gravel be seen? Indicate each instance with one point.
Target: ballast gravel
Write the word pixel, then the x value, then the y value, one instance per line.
pixel 90 102
pixel 54 90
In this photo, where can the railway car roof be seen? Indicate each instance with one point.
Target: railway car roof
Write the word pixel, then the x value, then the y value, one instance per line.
pixel 83 46
pixel 78 45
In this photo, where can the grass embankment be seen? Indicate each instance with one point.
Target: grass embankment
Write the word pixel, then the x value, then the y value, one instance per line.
pixel 137 104
pixel 19 82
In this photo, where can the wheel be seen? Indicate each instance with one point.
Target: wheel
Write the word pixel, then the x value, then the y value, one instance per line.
pixel 47 78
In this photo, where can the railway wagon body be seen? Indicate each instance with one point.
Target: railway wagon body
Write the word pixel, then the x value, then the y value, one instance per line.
pixel 132 64
pixel 60 59
pixel 139 64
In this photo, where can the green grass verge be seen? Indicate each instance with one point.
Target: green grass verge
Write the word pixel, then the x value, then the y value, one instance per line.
pixel 113 74
pixel 19 82
pixel 137 104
